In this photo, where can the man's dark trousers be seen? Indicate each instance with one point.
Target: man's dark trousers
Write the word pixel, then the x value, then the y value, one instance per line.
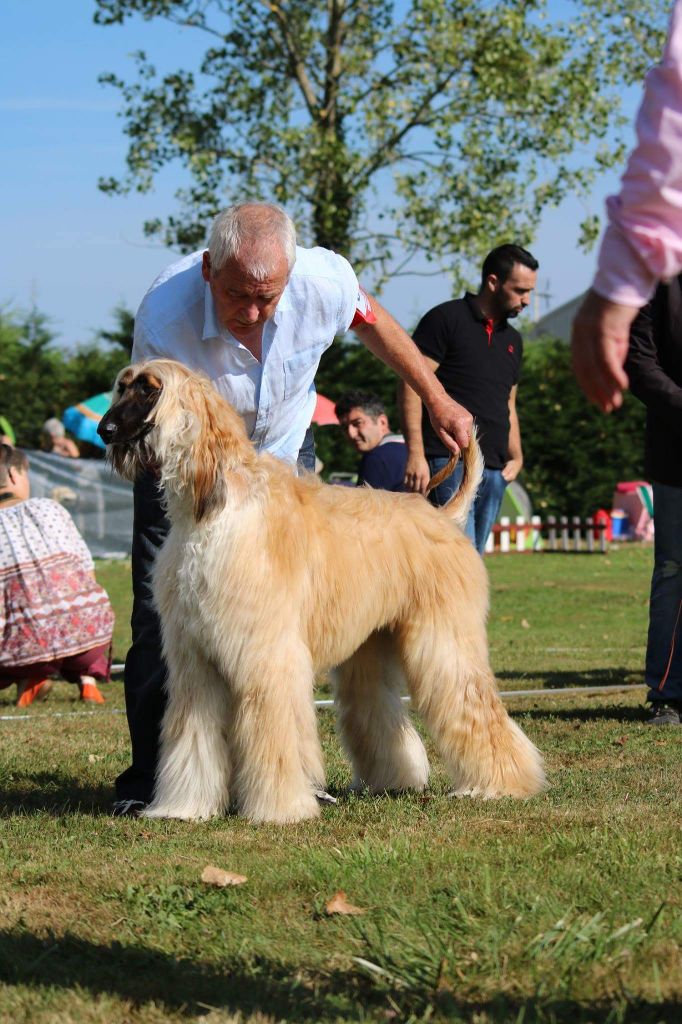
pixel 145 670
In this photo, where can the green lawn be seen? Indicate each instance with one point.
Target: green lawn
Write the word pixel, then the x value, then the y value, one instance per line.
pixel 563 908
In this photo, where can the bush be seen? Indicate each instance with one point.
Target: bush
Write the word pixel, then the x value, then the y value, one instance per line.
pixel 39 380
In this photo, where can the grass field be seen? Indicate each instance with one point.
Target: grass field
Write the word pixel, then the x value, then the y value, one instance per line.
pixel 565 908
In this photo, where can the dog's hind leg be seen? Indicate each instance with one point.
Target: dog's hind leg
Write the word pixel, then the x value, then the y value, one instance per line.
pixel 277 755
pixel 193 776
pixel 453 688
pixel 384 748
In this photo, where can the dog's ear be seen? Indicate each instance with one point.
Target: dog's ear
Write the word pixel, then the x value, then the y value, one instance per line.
pixel 220 449
pixel 209 486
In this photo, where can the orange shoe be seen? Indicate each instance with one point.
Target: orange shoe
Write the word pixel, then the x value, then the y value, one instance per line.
pixel 28 692
pixel 90 693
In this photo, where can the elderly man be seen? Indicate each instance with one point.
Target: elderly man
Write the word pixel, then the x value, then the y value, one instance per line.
pixel 255 312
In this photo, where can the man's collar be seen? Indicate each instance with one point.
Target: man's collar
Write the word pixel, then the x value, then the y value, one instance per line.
pixel 477 313
pixel 211 328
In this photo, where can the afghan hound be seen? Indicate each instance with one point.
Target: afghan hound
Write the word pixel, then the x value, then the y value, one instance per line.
pixel 266 579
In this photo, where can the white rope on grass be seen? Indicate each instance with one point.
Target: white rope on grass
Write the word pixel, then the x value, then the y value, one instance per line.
pixel 553 690
pixel 61 714
pixel 504 694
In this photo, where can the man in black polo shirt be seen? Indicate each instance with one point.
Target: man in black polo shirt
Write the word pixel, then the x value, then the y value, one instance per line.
pixel 476 355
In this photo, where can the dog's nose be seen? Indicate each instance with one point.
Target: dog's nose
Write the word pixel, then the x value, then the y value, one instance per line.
pixel 107 430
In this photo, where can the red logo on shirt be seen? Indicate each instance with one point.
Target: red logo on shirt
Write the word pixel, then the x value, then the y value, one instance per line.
pixel 510 348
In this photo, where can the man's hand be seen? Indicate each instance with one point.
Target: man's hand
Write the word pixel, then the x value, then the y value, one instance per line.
pixel 417 473
pixel 599 346
pixel 511 469
pixel 451 422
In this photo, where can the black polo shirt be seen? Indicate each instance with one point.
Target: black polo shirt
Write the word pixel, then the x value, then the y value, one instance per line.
pixel 479 363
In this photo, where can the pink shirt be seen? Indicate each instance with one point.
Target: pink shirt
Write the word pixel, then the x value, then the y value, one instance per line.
pixel 643 242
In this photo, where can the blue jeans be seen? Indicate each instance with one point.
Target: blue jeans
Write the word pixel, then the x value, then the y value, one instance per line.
pixel 664 646
pixel 306 454
pixel 486 506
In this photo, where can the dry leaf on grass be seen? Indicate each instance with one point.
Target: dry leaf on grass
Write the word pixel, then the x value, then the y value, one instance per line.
pixel 338 904
pixel 216 876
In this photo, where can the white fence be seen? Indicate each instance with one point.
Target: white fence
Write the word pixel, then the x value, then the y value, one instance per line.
pixel 563 534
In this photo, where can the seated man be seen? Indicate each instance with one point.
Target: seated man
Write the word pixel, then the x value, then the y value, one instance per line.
pixel 384 455
pixel 53 439
pixel 54 616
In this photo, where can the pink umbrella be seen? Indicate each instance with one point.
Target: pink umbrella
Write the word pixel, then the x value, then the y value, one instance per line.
pixel 324 414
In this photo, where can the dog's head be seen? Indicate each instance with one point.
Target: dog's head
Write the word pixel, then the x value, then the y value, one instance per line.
pixel 170 420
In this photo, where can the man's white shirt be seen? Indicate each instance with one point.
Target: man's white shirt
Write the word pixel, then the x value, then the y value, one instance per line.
pixel 276 397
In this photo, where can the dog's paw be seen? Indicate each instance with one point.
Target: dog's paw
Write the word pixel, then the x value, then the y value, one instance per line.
pixel 176 813
pixel 475 792
pixel 303 809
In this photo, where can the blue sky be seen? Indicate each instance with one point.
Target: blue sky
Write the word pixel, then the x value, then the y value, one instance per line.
pixel 76 252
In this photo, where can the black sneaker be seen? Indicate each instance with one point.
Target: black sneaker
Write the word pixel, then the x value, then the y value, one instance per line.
pixel 664 714
pixel 128 808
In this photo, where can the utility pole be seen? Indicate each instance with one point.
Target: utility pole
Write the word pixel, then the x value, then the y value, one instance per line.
pixel 537 295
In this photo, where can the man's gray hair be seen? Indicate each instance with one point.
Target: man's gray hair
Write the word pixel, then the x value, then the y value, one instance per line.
pixel 252 233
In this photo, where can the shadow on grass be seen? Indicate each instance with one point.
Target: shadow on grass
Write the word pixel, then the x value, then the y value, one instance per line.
pixel 54 794
pixel 189 988
pixel 613 713
pixel 558 680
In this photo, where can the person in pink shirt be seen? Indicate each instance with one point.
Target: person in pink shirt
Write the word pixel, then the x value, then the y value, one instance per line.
pixel 643 243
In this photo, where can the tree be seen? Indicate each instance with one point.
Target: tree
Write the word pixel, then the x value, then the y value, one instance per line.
pixel 387 129
pixel 39 380
pixel 31 371
pixel 122 334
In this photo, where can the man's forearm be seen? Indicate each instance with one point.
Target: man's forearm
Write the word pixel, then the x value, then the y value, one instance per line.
pixel 410 405
pixel 515 448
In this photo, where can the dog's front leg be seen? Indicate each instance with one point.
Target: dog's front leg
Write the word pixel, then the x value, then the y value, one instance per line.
pixel 276 750
pixel 193 776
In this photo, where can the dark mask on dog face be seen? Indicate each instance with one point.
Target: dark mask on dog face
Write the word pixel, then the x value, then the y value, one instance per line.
pixel 128 418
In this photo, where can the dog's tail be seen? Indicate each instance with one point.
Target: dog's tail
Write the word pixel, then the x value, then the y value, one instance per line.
pixel 458 506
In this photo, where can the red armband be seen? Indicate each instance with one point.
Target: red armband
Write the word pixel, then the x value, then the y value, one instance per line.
pixel 364 314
